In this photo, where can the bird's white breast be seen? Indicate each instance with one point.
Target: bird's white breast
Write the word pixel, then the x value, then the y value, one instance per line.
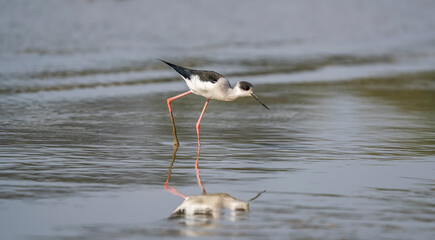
pixel 217 90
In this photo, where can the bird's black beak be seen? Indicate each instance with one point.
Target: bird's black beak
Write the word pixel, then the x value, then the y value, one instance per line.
pixel 256 98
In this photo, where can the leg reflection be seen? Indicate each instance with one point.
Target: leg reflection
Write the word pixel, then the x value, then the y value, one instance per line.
pixel 199 147
pixel 167 187
pixel 172 189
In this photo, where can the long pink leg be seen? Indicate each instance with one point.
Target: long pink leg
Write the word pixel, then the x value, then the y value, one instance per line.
pixel 176 144
pixel 199 146
pixel 169 100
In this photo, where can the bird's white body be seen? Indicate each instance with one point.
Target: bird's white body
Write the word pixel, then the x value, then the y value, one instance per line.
pixel 221 90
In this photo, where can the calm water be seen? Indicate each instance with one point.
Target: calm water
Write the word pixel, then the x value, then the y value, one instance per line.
pixel 346 152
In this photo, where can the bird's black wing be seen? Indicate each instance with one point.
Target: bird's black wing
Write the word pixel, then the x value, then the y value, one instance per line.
pixel 206 76
pixel 209 76
pixel 185 72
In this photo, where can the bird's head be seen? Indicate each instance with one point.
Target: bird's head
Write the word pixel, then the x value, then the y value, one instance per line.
pixel 245 89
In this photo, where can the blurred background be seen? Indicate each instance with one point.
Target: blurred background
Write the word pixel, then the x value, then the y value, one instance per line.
pixel 347 150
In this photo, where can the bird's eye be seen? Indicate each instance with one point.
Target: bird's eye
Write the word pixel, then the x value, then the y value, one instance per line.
pixel 246 88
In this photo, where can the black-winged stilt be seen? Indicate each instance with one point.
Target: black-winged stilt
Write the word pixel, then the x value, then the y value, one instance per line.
pixel 210 85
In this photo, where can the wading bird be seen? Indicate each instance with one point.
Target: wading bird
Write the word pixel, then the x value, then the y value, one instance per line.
pixel 210 85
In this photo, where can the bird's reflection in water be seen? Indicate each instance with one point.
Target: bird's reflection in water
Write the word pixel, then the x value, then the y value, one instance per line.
pixel 202 208
pixel 169 188
pixel 210 206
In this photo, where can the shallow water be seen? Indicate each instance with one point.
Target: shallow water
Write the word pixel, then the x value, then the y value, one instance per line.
pixel 347 150
pixel 338 160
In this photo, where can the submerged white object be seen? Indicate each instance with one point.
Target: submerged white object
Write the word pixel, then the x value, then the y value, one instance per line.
pixel 209 205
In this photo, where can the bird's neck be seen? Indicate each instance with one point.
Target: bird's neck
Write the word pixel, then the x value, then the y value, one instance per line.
pixel 232 94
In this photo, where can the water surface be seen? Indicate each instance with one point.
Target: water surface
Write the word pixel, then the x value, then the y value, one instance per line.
pixel 347 150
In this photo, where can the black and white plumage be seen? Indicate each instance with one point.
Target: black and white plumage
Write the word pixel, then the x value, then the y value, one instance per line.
pixel 213 85
pixel 210 85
